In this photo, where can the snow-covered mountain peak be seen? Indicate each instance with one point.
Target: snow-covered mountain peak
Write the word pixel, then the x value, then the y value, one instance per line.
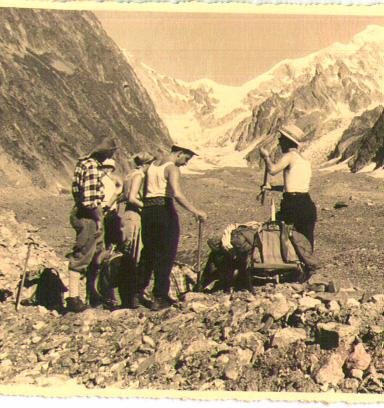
pixel 322 92
pixel 372 33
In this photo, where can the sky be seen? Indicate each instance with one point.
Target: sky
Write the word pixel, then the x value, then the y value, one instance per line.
pixel 227 48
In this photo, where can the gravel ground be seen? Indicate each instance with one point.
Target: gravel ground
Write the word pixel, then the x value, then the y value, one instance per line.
pixel 271 340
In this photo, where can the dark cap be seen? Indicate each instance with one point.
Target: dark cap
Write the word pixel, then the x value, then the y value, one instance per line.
pixel 175 148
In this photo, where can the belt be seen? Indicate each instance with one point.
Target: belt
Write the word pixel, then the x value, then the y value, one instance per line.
pixel 298 194
pixel 157 201
pixel 131 207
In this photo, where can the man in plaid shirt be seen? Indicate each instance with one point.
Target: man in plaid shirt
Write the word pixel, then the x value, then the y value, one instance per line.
pixel 87 220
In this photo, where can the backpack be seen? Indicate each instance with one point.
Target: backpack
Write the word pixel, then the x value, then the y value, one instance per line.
pixel 243 239
pixel 50 290
pixel 107 279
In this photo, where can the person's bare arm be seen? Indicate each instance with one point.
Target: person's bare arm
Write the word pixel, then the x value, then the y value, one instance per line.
pixel 137 180
pixel 172 173
pixel 275 168
pixel 118 185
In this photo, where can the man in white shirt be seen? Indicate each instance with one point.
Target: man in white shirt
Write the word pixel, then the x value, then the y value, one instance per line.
pixel 160 223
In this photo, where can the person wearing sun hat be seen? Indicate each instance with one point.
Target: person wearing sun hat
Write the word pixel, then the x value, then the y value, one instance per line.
pixel 86 217
pixel 296 207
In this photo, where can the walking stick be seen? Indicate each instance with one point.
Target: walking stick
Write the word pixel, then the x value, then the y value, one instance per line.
pixel 30 243
pixel 198 262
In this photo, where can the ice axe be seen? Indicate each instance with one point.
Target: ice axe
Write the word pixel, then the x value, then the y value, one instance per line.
pixel 198 261
pixel 265 187
pixel 30 242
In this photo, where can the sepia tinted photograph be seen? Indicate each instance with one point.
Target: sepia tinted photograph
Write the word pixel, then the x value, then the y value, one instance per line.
pixel 191 200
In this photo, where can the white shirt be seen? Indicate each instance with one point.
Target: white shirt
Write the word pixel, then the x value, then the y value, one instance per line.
pixel 109 189
pixel 157 184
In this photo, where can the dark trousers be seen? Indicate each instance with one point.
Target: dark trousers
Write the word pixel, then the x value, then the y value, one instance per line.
pixel 111 229
pixel 160 236
pixel 299 210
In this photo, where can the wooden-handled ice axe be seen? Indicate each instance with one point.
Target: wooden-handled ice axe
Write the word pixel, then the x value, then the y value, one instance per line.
pixel 265 187
pixel 31 243
pixel 198 261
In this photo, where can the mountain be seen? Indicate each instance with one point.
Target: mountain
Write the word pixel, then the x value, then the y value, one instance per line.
pixel 198 114
pixel 322 93
pixel 64 84
pixel 360 143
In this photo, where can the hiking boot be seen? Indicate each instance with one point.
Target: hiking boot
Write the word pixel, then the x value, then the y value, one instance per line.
pixel 144 302
pixel 131 303
pixel 170 300
pixel 75 305
pixel 162 303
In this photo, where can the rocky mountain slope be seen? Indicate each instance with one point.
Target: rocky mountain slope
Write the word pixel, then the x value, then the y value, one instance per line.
pixel 63 85
pixel 363 141
pixel 322 93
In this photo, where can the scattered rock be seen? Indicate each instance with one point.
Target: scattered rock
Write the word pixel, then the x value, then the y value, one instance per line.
pixel 231 371
pixel 244 356
pixel 351 384
pixel 287 336
pixel 199 346
pixel 251 340
pixel 340 204
pixel 198 307
pixel 278 307
pixel 356 373
pixel 352 303
pixel 149 341
pixel 359 358
pixel 332 371
pixel 168 351
pixel 307 302
pixel 334 307
pixel 331 335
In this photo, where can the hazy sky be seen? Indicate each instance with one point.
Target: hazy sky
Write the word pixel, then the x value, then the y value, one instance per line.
pixel 227 48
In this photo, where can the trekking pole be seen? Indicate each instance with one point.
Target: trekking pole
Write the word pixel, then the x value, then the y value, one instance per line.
pixel 198 262
pixel 30 243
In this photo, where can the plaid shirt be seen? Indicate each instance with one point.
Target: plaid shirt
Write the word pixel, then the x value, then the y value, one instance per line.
pixel 87 188
pixel 182 280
